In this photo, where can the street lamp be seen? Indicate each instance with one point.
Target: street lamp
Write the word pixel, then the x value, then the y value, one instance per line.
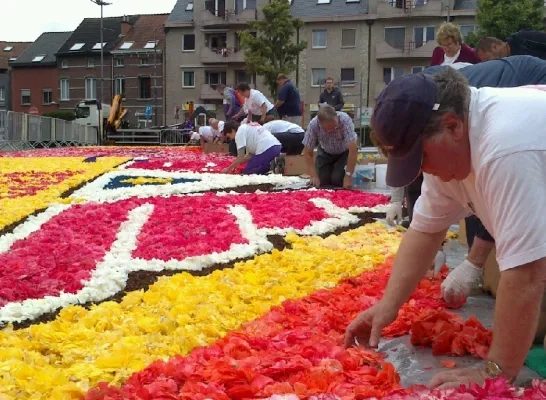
pixel 101 3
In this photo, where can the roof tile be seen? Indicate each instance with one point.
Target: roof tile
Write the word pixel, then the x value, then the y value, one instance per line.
pixel 47 44
pixel 15 50
pixel 335 8
pixel 146 29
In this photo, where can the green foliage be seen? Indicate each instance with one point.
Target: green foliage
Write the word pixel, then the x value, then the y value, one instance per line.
pixel 67 115
pixel 502 18
pixel 274 49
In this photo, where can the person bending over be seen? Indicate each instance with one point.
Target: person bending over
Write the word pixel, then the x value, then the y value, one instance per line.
pixel 289 134
pixel 525 42
pixel 256 106
pixel 333 132
pixel 255 145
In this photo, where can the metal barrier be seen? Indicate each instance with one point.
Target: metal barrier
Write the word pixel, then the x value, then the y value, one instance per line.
pixel 19 131
pixel 175 137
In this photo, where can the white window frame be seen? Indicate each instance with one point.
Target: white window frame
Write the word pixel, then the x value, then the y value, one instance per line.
pixel 39 58
pixel 64 64
pixel 184 80
pixel 2 93
pixel 90 63
pixel 119 85
pixel 474 28
pixel 316 46
pixel 29 97
pixel 313 84
pixel 395 27
pixel 151 44
pixel 323 1
pixel 126 45
pixel 392 72
pixel 120 62
pixel 98 46
pixel 91 86
pixel 77 46
pixel 417 66
pixel 347 83
pixel 62 83
pixel 424 39
pixel 354 44
pixel 189 7
pixel 44 91
pixel 142 63
pixel 194 46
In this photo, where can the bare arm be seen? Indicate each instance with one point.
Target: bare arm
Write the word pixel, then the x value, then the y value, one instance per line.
pixel 279 103
pixel 353 154
pixel 242 157
pixel 309 160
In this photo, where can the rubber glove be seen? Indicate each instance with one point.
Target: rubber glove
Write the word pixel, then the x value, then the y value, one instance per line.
pixel 458 284
pixel 394 212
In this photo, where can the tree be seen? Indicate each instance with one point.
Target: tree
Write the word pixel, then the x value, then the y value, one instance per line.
pixel 502 18
pixel 272 50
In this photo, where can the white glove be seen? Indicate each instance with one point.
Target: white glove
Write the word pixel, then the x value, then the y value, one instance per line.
pixel 459 283
pixel 394 214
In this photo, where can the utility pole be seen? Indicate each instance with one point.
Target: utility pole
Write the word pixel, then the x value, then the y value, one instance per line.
pixel 154 109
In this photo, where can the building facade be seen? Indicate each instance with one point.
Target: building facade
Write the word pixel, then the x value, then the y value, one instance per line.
pixel 137 73
pixel 35 76
pixel 9 51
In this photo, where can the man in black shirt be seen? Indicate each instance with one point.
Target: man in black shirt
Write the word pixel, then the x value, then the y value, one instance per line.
pixel 332 96
pixel 526 42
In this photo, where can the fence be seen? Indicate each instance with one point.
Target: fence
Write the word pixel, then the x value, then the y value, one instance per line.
pixel 20 131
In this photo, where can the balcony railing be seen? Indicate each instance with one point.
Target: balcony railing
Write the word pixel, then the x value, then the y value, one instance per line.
pixel 223 16
pixel 406 4
pixel 414 49
pixel 222 55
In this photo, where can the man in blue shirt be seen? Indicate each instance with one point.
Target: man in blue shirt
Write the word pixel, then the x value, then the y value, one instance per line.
pixel 288 104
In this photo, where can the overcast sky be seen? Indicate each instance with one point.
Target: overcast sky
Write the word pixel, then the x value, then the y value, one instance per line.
pixel 25 20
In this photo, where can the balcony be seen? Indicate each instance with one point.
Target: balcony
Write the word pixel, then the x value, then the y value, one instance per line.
pixel 208 92
pixel 408 50
pixel 221 56
pixel 211 17
pixel 413 8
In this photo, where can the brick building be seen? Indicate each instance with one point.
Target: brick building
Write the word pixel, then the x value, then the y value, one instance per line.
pixel 138 68
pixel 9 51
pixel 79 60
pixel 35 76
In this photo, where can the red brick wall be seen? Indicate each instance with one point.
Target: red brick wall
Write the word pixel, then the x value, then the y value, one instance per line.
pixel 35 79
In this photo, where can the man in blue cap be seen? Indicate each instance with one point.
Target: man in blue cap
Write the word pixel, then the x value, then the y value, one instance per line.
pixel 468 145
pixel 505 72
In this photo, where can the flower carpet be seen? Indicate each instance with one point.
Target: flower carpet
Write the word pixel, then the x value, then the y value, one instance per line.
pixel 144 273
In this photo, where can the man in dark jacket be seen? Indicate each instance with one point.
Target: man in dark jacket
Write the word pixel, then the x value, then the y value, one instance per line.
pixel 332 96
pixel 526 42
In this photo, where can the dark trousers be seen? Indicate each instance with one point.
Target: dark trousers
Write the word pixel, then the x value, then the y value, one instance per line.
pixel 331 167
pixel 291 142
pixel 257 118
pixel 474 227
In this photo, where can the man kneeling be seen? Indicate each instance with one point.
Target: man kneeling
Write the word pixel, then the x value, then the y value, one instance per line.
pixel 289 134
pixel 255 145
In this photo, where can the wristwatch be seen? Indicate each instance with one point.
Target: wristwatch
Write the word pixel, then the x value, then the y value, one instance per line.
pixel 493 371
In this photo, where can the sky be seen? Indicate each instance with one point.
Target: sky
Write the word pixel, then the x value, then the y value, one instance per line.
pixel 25 20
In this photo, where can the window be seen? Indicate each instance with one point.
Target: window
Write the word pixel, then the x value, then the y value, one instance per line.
pixel 395 37
pixel 323 1
pixel 390 73
pixel 150 45
pixel 38 58
pixel 466 29
pixel 77 46
pixel 416 70
pixel 188 79
pixel 422 35
pixel 99 46
pixel 65 90
pixel 145 87
pixel 188 42
pixel 2 93
pixel 119 86
pixel 119 62
pixel 213 78
pixel 90 88
pixel 353 1
pixel 47 96
pixel 347 76
pixel 319 39
pixel 8 48
pixel 25 97
pixel 242 76
pixel 189 7
pixel 348 37
pixel 143 61
pixel 90 63
pixel 318 76
pixel 64 64
pixel 126 45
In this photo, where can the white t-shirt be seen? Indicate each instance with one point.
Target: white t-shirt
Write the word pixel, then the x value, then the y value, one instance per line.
pixel 450 60
pixel 254 103
pixel 209 133
pixel 280 126
pixel 506 190
pixel 255 138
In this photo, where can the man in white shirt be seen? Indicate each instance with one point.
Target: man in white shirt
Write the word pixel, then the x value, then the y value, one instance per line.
pixel 256 104
pixel 209 134
pixel 466 142
pixel 289 134
pixel 255 145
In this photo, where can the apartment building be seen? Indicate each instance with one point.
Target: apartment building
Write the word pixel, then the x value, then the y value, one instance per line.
pixel 137 70
pixel 404 35
pixel 203 50
pixel 35 76
pixel 9 51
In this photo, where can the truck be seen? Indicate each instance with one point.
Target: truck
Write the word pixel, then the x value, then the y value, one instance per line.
pixel 87 112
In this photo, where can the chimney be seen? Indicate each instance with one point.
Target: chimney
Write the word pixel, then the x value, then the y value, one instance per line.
pixel 125 25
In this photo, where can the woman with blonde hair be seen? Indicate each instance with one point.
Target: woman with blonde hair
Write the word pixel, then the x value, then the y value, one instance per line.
pixel 451 48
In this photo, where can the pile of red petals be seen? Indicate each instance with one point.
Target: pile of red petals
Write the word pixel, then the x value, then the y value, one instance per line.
pixel 106 151
pixel 448 334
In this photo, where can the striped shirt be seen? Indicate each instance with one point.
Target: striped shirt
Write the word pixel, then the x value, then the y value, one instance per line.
pixel 334 142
